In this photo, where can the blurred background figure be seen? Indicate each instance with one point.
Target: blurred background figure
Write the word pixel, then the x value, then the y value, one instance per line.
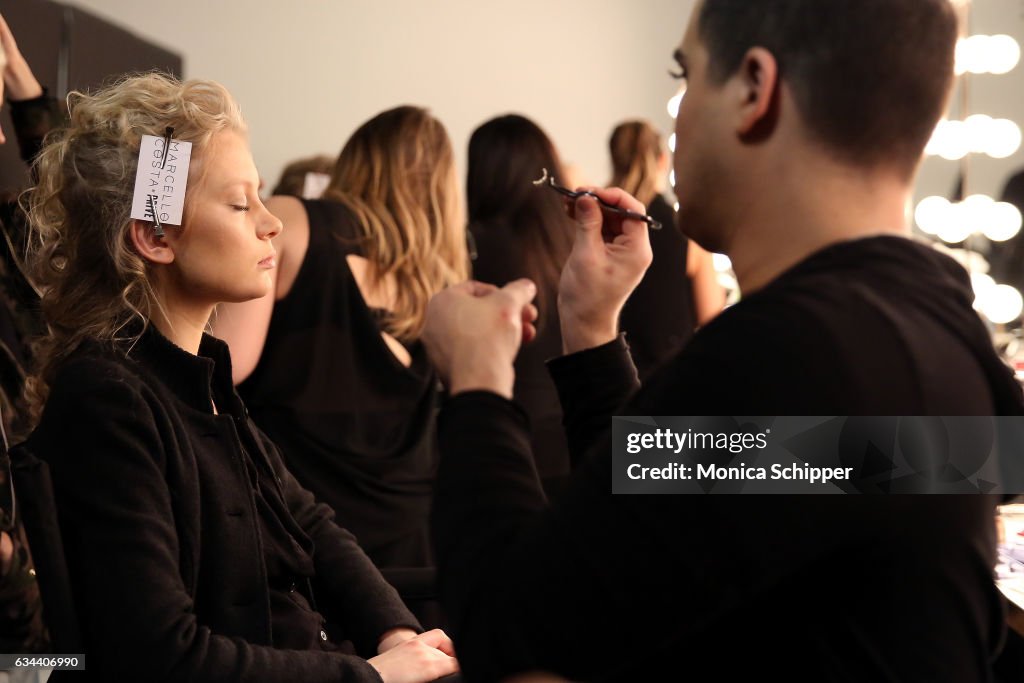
pixel 521 230
pixel 34 114
pixel 680 291
pixel 305 178
pixel 330 363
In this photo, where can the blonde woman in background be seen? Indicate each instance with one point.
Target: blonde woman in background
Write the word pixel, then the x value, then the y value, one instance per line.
pixel 193 552
pixel 330 362
pixel 680 291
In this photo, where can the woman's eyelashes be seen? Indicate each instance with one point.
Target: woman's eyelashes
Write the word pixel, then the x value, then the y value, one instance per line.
pixel 240 207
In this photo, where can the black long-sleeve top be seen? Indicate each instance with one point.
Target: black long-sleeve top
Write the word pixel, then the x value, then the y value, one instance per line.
pixel 20 318
pixel 21 619
pixel 194 554
pixel 825 588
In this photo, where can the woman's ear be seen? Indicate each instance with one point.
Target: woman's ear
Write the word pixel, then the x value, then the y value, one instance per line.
pixel 148 244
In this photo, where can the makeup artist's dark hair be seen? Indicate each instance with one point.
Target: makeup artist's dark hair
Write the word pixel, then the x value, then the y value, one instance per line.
pixel 870 77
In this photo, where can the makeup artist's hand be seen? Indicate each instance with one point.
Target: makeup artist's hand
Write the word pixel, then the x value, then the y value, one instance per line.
pixel 608 259
pixel 473 333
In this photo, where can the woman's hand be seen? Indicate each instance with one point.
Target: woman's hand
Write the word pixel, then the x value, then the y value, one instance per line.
pixel 393 638
pixel 419 659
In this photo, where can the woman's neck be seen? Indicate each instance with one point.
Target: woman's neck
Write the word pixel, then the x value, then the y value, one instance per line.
pixel 183 326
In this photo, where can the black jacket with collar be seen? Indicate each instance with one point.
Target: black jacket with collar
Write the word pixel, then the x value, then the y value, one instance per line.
pixel 159 521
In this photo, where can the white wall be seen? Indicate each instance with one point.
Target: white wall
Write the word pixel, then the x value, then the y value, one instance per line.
pixel 308 72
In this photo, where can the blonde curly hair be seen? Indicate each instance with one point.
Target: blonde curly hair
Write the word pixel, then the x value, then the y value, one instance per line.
pixel 93 283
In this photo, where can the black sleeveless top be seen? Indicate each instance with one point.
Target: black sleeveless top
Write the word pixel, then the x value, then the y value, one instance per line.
pixel 355 426
pixel 659 317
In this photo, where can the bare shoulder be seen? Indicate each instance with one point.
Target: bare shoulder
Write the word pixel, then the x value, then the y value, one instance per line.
pixel 291 243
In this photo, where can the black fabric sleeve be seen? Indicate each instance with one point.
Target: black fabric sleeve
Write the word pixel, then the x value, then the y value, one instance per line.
pixel 534 587
pixel 487 492
pixel 102 440
pixel 351 587
pixel 487 479
pixel 33 119
pixel 592 386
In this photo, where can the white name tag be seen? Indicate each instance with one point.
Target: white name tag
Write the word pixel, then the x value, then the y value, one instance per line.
pixel 161 179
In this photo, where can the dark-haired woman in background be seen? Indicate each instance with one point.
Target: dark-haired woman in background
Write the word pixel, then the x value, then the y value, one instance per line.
pixel 523 231
pixel 679 291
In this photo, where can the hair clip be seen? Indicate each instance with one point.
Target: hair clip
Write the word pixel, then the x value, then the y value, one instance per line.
pixel 158 229
pixel 549 180
pixel 168 132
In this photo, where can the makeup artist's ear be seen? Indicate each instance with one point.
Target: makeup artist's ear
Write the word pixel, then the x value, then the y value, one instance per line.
pixel 756 84
pixel 148 244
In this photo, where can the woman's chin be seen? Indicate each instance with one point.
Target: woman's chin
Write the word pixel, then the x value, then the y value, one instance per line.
pixel 257 291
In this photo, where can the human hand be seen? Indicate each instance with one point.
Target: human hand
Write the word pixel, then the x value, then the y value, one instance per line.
pixel 21 83
pixel 423 658
pixel 608 259
pixel 473 332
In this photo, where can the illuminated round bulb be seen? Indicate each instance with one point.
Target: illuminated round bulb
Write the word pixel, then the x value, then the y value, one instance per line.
pixel 672 178
pixel 960 60
pixel 957 226
pixel 955 142
pixel 975 54
pixel 974 212
pixel 931 214
pixel 979 132
pixel 675 101
pixel 1003 139
pixel 1003 304
pixel 672 142
pixel 675 207
pixel 1004 54
pixel 721 262
pixel 937 142
pixel 982 283
pixel 983 286
pixel 1004 222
